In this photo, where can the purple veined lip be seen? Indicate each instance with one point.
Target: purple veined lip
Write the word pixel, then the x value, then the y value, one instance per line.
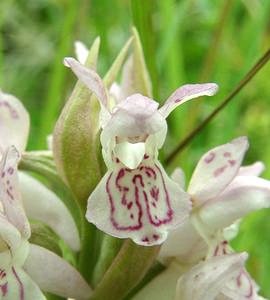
pixel 142 194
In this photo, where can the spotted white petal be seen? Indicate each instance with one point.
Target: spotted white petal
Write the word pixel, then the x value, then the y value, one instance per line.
pixel 185 93
pixel 43 205
pixel 244 195
pixel 216 169
pixel 81 51
pixel 206 280
pixel 141 204
pixel 14 123
pixel 17 285
pixel 90 78
pixel 53 274
pixel 10 194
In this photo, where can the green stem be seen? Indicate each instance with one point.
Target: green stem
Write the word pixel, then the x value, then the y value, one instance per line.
pixel 254 70
pixel 109 249
pixel 127 270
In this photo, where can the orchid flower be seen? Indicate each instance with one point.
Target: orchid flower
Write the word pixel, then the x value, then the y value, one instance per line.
pixel 232 192
pixel 26 269
pixel 15 125
pixel 136 199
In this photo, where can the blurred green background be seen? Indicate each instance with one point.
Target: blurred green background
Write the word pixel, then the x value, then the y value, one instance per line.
pixel 184 41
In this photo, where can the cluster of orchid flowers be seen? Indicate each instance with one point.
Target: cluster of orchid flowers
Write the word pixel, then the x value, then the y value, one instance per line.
pixel 135 199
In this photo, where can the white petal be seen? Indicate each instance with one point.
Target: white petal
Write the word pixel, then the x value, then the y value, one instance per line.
pixel 184 243
pixel 43 205
pixel 136 116
pixel 162 287
pixel 53 274
pixel 206 280
pixel 185 93
pixel 19 286
pixel 14 123
pixel 255 169
pixel 129 154
pixel 216 169
pixel 141 204
pixel 90 78
pixel 178 176
pixel 81 51
pixel 244 195
pixel 10 194
pixel 10 237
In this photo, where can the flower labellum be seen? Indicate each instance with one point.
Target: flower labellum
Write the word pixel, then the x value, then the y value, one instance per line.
pixel 135 198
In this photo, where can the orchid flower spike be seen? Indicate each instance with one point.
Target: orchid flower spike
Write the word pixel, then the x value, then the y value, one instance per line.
pixel 26 269
pixel 136 199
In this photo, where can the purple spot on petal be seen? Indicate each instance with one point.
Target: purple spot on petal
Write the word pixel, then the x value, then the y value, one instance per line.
pixel 220 170
pixel 210 157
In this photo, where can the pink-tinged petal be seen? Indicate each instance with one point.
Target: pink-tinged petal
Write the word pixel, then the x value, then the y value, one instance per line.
pixel 14 123
pixel 115 93
pixel 185 93
pixel 141 204
pixel 206 280
pixel 137 116
pixel 178 176
pixel 81 51
pixel 54 275
pixel 10 194
pixel 216 169
pixel 90 78
pixel 43 205
pixel 184 244
pixel 244 195
pixel 17 285
pixel 255 169
pixel 241 286
pixel 162 287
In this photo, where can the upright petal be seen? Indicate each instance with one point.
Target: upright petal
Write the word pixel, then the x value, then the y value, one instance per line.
pixel 244 195
pixel 53 274
pixel 17 285
pixel 81 51
pixel 90 78
pixel 185 93
pixel 14 123
pixel 206 280
pixel 10 194
pixel 216 169
pixel 141 204
pixel 43 205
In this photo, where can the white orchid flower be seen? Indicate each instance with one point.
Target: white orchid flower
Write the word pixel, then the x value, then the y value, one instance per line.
pixel 136 199
pixel 39 202
pixel 222 192
pixel 205 233
pixel 26 269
